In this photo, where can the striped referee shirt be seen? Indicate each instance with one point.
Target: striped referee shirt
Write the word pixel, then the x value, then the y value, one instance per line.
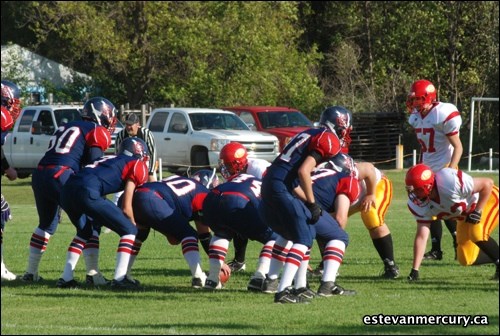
pixel 146 135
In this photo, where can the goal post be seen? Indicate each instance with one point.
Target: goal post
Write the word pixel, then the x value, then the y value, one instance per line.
pixel 473 100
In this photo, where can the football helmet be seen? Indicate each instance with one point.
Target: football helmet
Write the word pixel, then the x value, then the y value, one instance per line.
pixel 233 159
pixel 419 182
pixel 338 119
pixel 136 148
pixel 11 98
pixel 342 163
pixel 422 95
pixel 101 111
pixel 207 177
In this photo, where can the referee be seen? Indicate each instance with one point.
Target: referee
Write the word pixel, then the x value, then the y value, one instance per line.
pixel 134 129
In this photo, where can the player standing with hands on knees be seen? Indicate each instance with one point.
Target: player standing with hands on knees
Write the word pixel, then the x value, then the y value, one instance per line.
pixel 283 211
pixel 453 194
pixel 437 126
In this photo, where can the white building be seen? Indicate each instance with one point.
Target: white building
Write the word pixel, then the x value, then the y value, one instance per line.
pixel 31 69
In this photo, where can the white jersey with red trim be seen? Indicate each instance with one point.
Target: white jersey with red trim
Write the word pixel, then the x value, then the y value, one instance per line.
pixel 257 167
pixel 432 132
pixel 456 197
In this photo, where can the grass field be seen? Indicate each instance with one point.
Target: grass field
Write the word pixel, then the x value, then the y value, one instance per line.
pixel 169 306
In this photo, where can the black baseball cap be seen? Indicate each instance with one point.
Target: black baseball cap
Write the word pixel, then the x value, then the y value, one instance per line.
pixel 132 118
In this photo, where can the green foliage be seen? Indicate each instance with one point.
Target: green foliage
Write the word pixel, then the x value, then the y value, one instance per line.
pixel 168 305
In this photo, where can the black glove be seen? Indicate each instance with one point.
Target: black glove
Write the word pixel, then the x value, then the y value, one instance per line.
pixel 474 217
pixel 316 212
pixel 413 275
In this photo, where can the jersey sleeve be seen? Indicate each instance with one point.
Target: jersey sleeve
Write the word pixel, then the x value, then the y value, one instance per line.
pixel 137 171
pixel 98 137
pixel 451 119
pixel 325 144
pixel 7 120
pixel 349 186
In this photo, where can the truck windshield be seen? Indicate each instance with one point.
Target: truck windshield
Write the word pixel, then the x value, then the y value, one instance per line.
pixel 225 121
pixel 64 116
pixel 283 119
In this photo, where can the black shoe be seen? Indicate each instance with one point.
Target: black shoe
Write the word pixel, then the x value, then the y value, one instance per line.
pixel 305 293
pixel 270 286
pixel 329 288
pixel 433 255
pixel 124 284
pixel 212 285
pixel 96 280
pixel 197 283
pixel 288 296
pixel 495 276
pixel 237 266
pixel 256 284
pixel 28 277
pixel 391 270
pixel 61 283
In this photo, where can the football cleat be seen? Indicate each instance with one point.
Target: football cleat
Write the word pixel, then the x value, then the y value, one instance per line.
pixel 7 275
pixel 125 284
pixel 256 284
pixel 61 283
pixel 391 270
pixel 237 266
pixel 270 286
pixel 96 280
pixel 305 293
pixel 197 282
pixel 433 255
pixel 29 277
pixel 329 288
pixel 288 296
pixel 212 285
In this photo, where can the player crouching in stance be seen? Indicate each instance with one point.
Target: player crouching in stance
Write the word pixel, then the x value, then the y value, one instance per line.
pixel 453 194
pixel 85 194
pixel 231 209
pixel 168 206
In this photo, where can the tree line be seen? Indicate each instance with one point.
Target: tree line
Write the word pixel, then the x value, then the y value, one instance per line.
pixel 307 54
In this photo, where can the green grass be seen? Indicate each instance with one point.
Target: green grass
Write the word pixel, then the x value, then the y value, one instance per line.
pixel 168 304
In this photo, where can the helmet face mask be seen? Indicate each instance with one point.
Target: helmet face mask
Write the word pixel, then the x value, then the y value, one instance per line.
pixel 422 95
pixel 233 159
pixel 419 184
pixel 206 177
pixel 338 119
pixel 101 111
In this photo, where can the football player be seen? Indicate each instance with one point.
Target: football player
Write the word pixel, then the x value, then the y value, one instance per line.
pixel 231 209
pixel 72 146
pixel 437 127
pixel 453 194
pixel 372 204
pixel 168 206
pixel 84 194
pixel 10 111
pixel 289 216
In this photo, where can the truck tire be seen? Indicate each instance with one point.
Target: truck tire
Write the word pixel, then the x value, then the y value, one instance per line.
pixel 199 158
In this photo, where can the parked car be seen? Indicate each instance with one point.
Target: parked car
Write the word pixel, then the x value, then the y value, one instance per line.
pixel 193 137
pixel 29 139
pixel 283 122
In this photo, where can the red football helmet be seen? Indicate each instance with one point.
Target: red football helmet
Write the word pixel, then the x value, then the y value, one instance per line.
pixel 422 95
pixel 233 159
pixel 419 183
pixel 11 98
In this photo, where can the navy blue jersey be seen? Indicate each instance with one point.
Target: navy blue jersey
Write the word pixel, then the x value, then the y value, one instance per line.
pixel 71 145
pixel 182 193
pixel 113 171
pixel 319 140
pixel 328 184
pixel 244 186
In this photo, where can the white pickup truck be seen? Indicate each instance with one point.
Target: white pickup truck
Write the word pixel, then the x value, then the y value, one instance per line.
pixel 193 137
pixel 29 139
